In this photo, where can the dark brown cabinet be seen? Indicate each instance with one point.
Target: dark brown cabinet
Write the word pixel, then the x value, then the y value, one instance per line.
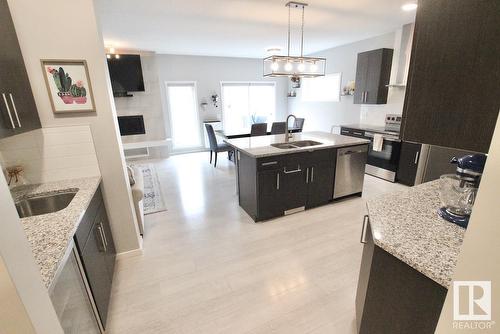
pixel 392 297
pixel 453 97
pixel 97 251
pixel 273 186
pixel 373 71
pixel 18 112
pixel 408 163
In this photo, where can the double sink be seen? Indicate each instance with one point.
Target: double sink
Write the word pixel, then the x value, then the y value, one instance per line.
pixel 296 144
pixel 44 203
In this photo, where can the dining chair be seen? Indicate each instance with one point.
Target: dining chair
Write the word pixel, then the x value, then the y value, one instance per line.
pixel 258 129
pixel 214 146
pixel 278 128
pixel 299 124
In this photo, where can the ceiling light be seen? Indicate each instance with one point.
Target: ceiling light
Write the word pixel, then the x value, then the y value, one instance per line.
pixel 409 6
pixel 117 56
pixel 108 56
pixel 294 66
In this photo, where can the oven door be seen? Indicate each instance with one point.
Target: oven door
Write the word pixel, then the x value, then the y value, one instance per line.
pixel 384 163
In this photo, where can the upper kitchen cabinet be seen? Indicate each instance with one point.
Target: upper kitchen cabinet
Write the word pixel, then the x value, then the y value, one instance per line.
pixel 373 71
pixel 18 112
pixel 452 97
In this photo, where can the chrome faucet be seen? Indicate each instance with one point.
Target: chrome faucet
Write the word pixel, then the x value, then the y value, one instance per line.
pixel 288 134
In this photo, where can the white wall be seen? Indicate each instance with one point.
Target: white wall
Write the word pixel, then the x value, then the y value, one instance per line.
pixel 480 253
pixel 208 72
pixel 51 154
pixel 322 115
pixel 41 37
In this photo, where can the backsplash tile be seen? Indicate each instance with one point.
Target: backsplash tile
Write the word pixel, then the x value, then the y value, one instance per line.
pixel 51 154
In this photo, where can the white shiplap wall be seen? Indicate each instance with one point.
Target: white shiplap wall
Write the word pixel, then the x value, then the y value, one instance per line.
pixel 51 154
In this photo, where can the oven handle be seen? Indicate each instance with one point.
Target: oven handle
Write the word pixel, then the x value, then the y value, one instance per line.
pixel 388 138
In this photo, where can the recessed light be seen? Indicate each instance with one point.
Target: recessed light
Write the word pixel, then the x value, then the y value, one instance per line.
pixel 409 6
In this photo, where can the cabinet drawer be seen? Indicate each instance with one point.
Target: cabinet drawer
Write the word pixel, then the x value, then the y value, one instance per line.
pixel 269 163
pixel 87 221
pixel 323 157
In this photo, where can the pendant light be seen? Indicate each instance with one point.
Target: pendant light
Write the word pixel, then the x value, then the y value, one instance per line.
pixel 294 66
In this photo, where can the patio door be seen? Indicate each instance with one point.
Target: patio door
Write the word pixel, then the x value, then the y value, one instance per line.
pixel 184 120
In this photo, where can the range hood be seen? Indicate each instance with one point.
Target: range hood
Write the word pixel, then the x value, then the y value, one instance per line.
pixel 402 52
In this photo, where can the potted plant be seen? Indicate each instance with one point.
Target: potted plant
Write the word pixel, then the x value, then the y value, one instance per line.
pixel 63 84
pixel 78 92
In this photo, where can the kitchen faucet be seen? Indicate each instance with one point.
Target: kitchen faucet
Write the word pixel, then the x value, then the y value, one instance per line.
pixel 288 134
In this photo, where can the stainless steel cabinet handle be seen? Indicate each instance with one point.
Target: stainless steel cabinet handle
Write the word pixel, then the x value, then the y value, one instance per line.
pixel 292 171
pixel 8 110
pixel 312 174
pixel 278 181
pixel 366 219
pixel 104 235
pixel 15 109
pixel 357 133
pixel 307 175
pixel 366 96
pixel 269 163
pixel 416 157
pixel 99 228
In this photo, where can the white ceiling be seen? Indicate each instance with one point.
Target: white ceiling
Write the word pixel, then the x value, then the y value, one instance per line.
pixel 242 28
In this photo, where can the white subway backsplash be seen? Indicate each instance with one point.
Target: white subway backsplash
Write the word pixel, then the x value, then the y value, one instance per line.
pixel 51 154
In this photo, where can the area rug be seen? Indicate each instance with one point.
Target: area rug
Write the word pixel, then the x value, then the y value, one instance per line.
pixel 153 201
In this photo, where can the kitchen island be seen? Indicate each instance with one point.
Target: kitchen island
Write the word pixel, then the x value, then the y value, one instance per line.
pixel 276 177
pixel 409 256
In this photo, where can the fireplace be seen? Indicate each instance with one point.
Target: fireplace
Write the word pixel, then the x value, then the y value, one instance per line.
pixel 131 125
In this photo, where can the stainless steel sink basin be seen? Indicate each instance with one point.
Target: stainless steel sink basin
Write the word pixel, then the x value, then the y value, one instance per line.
pixel 42 204
pixel 305 143
pixel 296 144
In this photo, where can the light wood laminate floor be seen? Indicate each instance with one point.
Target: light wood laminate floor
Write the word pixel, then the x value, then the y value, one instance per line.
pixel 208 268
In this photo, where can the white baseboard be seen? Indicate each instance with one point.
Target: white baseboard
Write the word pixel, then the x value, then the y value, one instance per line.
pixel 128 254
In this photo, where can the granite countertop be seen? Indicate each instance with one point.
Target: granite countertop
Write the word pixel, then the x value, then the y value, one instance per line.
pixel 406 225
pixel 260 146
pixel 49 235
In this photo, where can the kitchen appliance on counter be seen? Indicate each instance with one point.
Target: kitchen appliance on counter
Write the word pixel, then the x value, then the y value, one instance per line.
pixel 458 191
pixel 384 148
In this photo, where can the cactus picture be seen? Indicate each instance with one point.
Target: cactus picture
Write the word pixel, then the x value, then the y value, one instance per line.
pixel 68 85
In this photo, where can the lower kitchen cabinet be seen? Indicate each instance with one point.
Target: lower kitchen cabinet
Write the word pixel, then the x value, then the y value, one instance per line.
pixel 392 297
pixel 273 186
pixel 270 201
pixel 408 163
pixel 97 252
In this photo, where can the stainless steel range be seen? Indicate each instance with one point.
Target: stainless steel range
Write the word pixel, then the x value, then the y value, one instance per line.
pixel 385 146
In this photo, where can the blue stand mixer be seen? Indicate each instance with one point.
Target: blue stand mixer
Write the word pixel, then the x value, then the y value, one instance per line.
pixel 458 191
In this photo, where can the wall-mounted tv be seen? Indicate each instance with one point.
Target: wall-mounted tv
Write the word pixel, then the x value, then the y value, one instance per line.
pixel 126 74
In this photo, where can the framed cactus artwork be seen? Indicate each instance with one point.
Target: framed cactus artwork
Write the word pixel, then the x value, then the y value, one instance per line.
pixel 68 85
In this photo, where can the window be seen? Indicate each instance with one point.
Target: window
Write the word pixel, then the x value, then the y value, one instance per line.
pixel 182 106
pixel 245 103
pixel 321 89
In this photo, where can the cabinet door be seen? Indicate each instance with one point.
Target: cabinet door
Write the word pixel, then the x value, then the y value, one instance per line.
pixel 320 184
pixel 361 73
pixel 452 97
pixel 378 75
pixel 408 163
pixel 269 190
pixel 294 188
pixel 14 82
pixel 94 262
pixel 110 251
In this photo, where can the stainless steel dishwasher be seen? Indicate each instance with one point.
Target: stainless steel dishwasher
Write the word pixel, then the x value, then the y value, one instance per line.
pixel 350 170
